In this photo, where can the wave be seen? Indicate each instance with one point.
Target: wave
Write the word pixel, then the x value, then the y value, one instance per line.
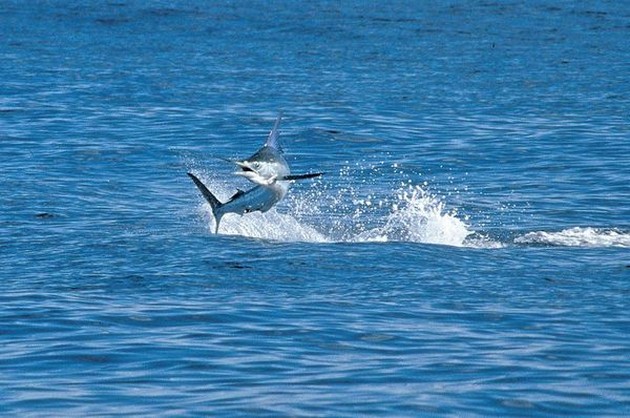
pixel 409 213
pixel 271 225
pixel 418 216
pixel 414 215
pixel 577 237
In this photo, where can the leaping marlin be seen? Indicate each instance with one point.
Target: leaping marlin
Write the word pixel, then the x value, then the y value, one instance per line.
pixel 268 169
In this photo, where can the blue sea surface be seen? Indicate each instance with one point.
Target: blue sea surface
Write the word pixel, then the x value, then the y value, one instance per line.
pixel 465 254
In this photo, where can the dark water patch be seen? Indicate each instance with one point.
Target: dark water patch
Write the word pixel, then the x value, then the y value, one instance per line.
pixel 45 215
pixel 112 21
pixel 236 265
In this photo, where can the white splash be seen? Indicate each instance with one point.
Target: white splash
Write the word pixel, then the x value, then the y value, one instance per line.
pixel 270 225
pixel 409 214
pixel 418 216
pixel 415 216
pixel 577 237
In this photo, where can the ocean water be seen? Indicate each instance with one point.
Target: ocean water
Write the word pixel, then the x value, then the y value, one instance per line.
pixel 465 254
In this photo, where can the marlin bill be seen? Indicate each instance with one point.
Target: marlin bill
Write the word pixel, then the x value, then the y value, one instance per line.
pixel 267 169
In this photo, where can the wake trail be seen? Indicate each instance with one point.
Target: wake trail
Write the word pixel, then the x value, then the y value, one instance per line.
pixel 354 213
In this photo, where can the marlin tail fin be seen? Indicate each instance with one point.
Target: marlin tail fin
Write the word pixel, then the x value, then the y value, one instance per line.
pixel 215 204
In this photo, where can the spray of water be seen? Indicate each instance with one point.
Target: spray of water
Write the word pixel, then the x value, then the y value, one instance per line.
pixel 418 216
pixel 350 213
pixel 577 237
pixel 357 206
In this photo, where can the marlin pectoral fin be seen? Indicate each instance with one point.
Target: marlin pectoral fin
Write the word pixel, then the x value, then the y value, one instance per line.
pixel 301 176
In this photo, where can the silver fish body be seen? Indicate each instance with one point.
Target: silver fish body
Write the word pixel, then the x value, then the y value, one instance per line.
pixel 259 198
pixel 268 169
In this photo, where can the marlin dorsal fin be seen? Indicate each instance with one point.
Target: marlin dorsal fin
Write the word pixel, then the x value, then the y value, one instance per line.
pixel 272 139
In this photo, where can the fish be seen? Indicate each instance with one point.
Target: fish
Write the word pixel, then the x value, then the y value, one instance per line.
pixel 267 169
